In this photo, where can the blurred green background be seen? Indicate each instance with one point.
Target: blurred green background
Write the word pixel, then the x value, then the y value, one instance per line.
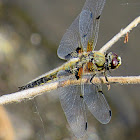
pixel 30 32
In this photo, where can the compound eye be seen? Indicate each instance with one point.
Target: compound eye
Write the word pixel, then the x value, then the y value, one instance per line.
pixel 114 63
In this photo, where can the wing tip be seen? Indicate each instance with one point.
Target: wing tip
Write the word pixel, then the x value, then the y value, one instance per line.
pixel 98 17
pixel 110 113
pixel 108 118
pixel 86 126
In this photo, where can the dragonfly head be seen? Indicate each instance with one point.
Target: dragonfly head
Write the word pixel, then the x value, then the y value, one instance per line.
pixel 113 60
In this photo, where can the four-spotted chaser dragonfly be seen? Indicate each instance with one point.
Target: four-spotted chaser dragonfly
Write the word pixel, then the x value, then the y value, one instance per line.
pixel 77 46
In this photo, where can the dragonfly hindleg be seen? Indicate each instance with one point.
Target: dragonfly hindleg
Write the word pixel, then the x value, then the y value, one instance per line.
pixel 92 78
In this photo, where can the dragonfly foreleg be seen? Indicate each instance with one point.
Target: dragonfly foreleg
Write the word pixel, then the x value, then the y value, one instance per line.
pixel 108 84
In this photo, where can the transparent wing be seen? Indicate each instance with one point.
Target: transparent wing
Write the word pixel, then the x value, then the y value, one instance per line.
pixel 94 9
pixel 84 28
pixel 96 103
pixel 70 40
pixel 74 109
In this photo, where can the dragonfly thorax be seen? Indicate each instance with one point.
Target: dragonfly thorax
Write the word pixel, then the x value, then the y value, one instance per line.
pixel 98 59
pixel 91 61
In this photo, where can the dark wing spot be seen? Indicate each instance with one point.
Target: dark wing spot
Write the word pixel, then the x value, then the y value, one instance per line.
pixel 81 96
pixel 98 17
pixel 84 35
pixel 110 113
pixel 101 92
pixel 91 15
pixel 68 56
pixel 78 50
pixel 86 125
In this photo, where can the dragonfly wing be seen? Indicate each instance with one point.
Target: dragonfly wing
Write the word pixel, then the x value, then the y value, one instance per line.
pixel 83 29
pixel 94 9
pixel 96 103
pixel 74 108
pixel 70 41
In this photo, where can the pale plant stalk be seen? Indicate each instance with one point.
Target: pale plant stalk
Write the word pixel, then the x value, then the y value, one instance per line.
pixel 123 32
pixel 32 92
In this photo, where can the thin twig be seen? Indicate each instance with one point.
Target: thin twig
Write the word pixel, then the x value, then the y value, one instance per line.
pixel 31 93
pixel 109 44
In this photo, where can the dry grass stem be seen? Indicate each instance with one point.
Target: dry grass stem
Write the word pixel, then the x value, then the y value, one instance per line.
pixel 109 44
pixel 31 93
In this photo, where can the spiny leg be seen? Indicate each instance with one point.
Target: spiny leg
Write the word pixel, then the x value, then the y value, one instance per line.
pixel 98 87
pixel 92 78
pixel 108 84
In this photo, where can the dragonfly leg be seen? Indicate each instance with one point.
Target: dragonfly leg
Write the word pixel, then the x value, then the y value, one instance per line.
pixel 92 78
pixel 108 85
pixel 98 86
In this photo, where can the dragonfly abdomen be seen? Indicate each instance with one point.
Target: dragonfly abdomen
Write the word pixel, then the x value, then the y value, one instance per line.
pixel 38 82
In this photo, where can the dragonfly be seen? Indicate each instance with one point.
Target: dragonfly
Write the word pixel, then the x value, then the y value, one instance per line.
pixel 78 48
